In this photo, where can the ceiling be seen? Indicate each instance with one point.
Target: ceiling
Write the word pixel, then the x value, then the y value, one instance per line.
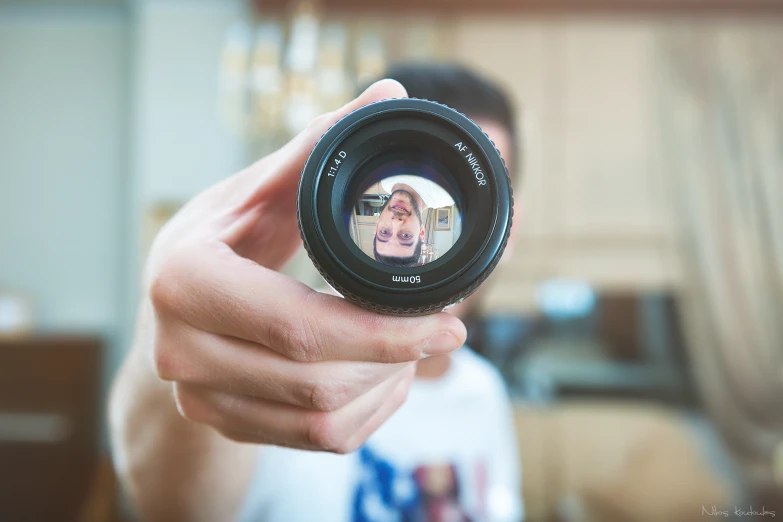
pixel 552 6
pixel 64 3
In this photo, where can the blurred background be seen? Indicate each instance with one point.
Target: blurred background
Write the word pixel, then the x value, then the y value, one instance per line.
pixel 639 324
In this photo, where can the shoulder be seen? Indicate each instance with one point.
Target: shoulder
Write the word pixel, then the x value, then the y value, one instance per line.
pixel 476 372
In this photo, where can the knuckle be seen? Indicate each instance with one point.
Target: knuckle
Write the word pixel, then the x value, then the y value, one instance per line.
pixel 293 342
pixel 162 292
pixel 324 396
pixel 352 445
pixel 319 123
pixel 347 447
pixel 167 362
pixel 163 359
pixel 341 394
pixel 392 351
pixel 299 339
pixel 321 432
pixel 385 350
pixel 409 352
pixel 191 407
pixel 164 288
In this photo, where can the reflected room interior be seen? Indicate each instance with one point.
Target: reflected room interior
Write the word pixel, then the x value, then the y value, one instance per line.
pixel 442 225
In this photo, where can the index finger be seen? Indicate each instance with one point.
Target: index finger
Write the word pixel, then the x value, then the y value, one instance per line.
pixel 229 295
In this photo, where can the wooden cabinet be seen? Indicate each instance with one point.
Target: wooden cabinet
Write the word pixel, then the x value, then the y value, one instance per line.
pixel 49 425
pixel 594 201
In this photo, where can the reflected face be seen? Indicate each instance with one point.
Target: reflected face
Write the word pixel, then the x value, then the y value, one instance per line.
pixel 419 218
pixel 399 231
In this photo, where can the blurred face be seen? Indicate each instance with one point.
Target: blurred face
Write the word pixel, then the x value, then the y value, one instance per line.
pixel 399 228
pixel 500 135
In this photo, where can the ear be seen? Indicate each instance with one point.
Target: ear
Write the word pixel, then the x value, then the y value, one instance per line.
pixel 515 226
pixel 421 233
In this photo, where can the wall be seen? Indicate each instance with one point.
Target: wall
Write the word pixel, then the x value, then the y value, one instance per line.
pixel 593 202
pixel 598 190
pixel 63 103
pixel 63 168
pixel 445 239
pixel 105 112
pixel 181 146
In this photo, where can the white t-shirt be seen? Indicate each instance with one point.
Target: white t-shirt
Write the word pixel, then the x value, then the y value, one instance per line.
pixel 433 195
pixel 447 455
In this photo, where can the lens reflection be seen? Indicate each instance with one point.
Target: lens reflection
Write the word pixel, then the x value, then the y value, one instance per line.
pixel 405 220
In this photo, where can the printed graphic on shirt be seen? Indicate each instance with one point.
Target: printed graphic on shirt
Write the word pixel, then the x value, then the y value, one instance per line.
pixel 426 493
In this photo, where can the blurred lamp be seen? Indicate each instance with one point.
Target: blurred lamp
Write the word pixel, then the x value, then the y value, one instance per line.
pixel 16 315
pixel 561 299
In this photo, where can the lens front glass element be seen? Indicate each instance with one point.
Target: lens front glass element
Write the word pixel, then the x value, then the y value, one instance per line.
pixel 405 212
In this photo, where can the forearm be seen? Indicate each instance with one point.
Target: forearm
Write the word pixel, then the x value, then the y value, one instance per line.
pixel 171 469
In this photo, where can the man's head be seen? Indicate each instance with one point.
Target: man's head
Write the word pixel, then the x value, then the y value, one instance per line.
pixel 399 231
pixel 467 92
pixel 477 98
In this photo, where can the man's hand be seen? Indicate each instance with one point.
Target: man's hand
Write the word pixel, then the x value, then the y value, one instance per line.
pixel 257 355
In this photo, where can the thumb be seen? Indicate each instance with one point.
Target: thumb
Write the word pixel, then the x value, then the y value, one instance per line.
pixel 290 159
pixel 272 184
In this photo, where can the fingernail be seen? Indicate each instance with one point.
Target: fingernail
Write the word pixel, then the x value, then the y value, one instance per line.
pixel 442 342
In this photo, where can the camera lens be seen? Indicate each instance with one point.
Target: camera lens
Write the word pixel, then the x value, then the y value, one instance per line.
pixel 405 206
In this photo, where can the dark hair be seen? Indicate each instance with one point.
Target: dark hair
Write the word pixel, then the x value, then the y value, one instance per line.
pixel 462 90
pixel 398 261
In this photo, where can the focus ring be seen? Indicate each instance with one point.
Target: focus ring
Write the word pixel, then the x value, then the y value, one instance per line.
pixel 413 310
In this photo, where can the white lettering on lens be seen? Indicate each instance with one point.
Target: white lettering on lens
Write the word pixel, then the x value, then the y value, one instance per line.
pixel 474 164
pixel 406 279
pixel 334 168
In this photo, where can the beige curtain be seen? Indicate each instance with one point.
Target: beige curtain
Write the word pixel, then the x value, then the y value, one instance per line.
pixel 721 123
pixel 429 225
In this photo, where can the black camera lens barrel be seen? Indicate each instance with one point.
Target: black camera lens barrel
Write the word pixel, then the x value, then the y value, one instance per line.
pixel 418 130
